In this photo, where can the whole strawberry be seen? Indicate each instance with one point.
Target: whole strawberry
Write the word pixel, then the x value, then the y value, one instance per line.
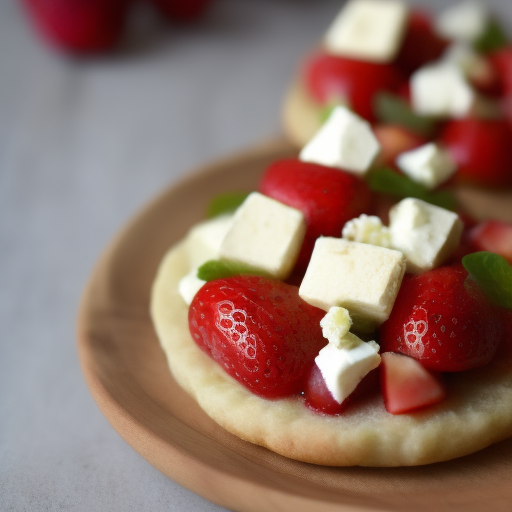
pixel 259 330
pixel 443 320
pixel 80 26
pixel 327 197
pixel 182 10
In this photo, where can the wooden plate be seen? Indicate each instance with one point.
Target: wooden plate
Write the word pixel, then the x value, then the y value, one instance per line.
pixel 127 374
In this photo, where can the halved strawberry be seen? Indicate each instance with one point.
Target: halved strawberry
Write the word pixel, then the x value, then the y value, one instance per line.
pixel 319 399
pixel 329 78
pixel 492 236
pixel 407 386
pixel 260 332
pixel 444 321
pixel 327 197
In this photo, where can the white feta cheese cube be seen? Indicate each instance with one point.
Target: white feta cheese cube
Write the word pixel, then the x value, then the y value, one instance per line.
pixel 426 234
pixel 362 278
pixel 369 30
pixel 343 369
pixel 466 21
pixel 265 234
pixel 430 165
pixel 189 285
pixel 441 90
pixel 367 229
pixel 345 141
pixel 204 239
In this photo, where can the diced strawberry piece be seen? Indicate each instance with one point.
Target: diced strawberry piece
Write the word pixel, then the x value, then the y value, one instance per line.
pixel 319 399
pixel 493 236
pixel 444 321
pixel 482 149
pixel 260 332
pixel 395 139
pixel 80 26
pixel 327 197
pixel 407 386
pixel 182 10
pixel 421 43
pixel 329 78
pixel 502 63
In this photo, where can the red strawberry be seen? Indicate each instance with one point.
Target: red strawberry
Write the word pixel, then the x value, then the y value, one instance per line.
pixel 421 44
pixel 493 236
pixel 395 139
pixel 443 321
pixel 182 10
pixel 330 77
pixel 319 399
pixel 406 385
pixel 327 197
pixel 259 330
pixel 81 26
pixel 482 149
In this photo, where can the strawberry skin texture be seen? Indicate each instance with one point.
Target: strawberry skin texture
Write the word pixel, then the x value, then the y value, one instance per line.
pixel 443 321
pixel 80 26
pixel 260 332
pixel 327 197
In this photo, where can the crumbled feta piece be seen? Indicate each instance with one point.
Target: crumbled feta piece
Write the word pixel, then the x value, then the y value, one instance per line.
pixel 265 234
pixel 441 90
pixel 336 325
pixel 426 234
pixel 345 141
pixel 362 278
pixel 189 285
pixel 343 369
pixel 466 21
pixel 204 239
pixel 370 30
pixel 430 165
pixel 366 229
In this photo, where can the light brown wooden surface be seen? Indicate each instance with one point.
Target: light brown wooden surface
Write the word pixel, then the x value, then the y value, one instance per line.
pixel 128 376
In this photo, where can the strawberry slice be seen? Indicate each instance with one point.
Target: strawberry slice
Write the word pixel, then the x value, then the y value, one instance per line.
pixel 327 197
pixel 319 399
pixel 260 332
pixel 407 386
pixel 330 78
pixel 492 236
pixel 444 321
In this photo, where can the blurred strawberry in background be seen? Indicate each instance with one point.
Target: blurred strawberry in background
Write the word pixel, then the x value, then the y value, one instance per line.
pixel 181 10
pixel 95 26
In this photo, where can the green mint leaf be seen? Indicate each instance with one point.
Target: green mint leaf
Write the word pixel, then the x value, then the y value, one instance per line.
pixel 392 109
pixel 326 110
pixel 225 203
pixel 220 269
pixel 492 39
pixel 493 274
pixel 387 181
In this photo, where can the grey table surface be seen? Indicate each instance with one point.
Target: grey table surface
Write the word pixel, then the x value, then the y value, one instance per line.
pixel 84 144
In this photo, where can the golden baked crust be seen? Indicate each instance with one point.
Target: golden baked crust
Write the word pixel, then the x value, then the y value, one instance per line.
pixel 477 413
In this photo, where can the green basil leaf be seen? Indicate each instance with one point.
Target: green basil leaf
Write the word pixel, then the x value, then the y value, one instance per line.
pixel 225 203
pixel 387 181
pixel 493 274
pixel 492 39
pixel 220 269
pixel 326 110
pixel 392 109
